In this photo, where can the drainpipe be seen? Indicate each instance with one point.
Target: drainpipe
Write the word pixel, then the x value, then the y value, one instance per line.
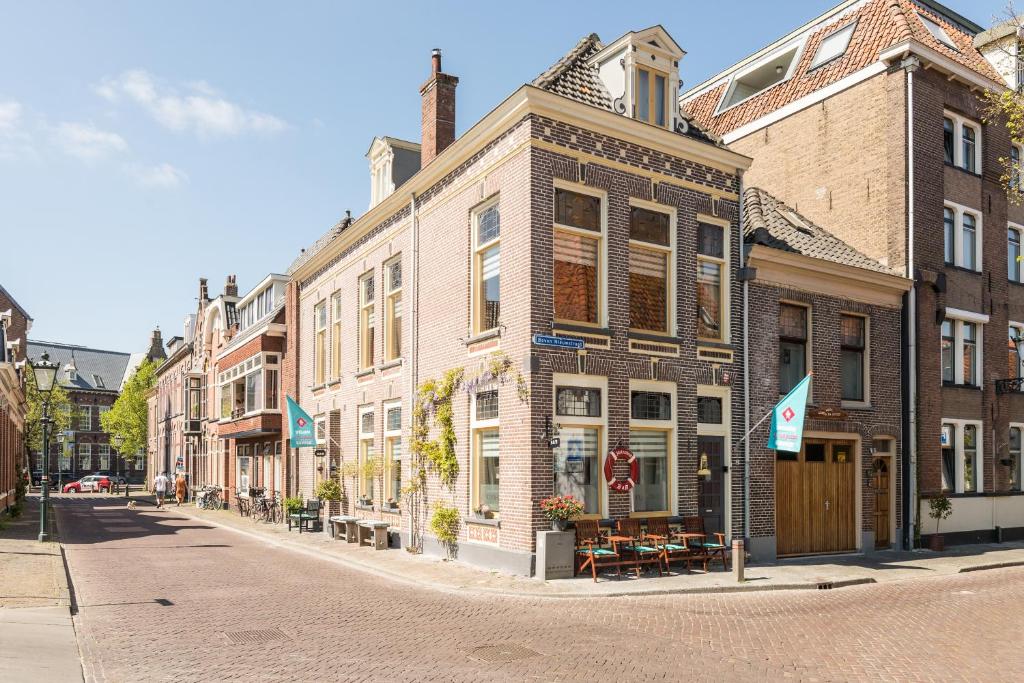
pixel 746 373
pixel 414 331
pixel 909 468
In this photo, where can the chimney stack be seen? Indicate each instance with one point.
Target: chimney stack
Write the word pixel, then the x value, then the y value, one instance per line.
pixel 204 293
pixel 230 287
pixel 438 95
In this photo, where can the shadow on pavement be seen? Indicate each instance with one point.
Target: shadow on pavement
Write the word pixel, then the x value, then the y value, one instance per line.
pixel 89 519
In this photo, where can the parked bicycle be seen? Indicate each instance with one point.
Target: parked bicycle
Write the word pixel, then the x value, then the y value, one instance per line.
pixel 209 498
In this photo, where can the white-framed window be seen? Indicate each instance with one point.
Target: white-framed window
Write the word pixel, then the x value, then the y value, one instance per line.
pixel 833 46
pixel 85 418
pixel 651 272
pixel 712 279
pixel 1014 445
pixel 486 464
pixel 393 309
pixel 854 337
pixel 320 429
pixel 770 70
pixel 794 345
pixel 652 412
pixel 244 465
pixel 336 335
pixel 961 334
pixel 320 343
pixel 962 446
pixel 961 142
pixel 278 469
pixel 937 31
pixel 367 454
pixel 103 450
pixel 486 226
pixel 100 412
pixel 85 456
pixel 366 321
pixel 250 386
pixel 1015 358
pixel 581 426
pixel 1014 255
pixel 393 452
pixel 579 278
pixel 1014 171
pixel 651 96
pixel 962 236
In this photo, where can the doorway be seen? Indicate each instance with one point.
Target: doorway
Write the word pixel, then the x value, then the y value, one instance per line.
pixel 815 498
pixel 880 482
pixel 710 489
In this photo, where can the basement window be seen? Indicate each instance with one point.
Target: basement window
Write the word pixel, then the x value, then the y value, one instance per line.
pixel 937 31
pixel 833 46
pixel 760 77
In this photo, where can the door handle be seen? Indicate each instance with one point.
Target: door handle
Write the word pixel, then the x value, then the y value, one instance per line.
pixel 826 505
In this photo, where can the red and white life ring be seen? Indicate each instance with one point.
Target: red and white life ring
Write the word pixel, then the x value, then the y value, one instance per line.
pixel 614 483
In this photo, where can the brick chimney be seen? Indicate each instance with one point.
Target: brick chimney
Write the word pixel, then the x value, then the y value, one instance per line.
pixel 438 95
pixel 204 293
pixel 230 286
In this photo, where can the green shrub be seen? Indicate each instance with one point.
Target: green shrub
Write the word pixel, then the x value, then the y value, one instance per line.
pixel 292 504
pixel 328 489
pixel 444 524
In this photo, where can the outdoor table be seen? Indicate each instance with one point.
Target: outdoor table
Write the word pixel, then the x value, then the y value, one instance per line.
pixel 615 539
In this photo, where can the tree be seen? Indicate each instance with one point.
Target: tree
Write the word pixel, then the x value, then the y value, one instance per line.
pixel 1006 107
pixel 127 418
pixel 61 412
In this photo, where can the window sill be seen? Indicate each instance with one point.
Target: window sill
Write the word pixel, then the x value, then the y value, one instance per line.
pixel 581 329
pixel 954 385
pixel 856 405
pixel 712 344
pixel 390 364
pixel 363 506
pixel 365 373
pixel 483 336
pixel 483 521
pixel 334 383
pixel 393 509
pixel 961 269
pixel 319 387
pixel 963 170
pixel 654 337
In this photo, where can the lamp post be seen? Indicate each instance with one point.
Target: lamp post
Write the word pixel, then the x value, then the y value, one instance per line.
pixel 118 442
pixel 45 373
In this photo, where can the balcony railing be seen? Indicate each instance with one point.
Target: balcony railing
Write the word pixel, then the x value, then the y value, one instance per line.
pixel 1010 386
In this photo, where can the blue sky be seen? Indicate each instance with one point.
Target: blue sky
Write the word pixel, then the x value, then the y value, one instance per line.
pixel 145 145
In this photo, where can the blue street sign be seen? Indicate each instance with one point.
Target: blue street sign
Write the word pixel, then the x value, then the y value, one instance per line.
pixel 557 342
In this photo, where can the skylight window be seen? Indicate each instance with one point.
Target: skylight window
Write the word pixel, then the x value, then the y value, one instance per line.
pixel 937 31
pixel 760 77
pixel 833 46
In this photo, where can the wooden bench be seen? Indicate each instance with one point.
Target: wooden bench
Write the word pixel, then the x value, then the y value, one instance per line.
pixel 373 533
pixel 346 525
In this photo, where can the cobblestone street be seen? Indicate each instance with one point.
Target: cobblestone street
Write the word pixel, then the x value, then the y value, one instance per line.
pixel 164 597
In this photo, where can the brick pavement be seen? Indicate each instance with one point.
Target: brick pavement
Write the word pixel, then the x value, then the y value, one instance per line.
pixel 243 609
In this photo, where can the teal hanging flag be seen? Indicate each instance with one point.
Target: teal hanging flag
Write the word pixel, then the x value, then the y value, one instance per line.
pixel 788 419
pixel 300 426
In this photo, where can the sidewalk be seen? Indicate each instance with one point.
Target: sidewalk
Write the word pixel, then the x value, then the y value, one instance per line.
pixel 806 573
pixel 37 637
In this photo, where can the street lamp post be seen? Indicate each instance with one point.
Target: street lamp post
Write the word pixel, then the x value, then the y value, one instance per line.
pixel 45 374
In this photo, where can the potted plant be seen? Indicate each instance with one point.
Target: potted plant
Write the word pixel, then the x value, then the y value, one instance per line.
pixel 939 508
pixel 559 510
pixel 484 511
pixel 329 491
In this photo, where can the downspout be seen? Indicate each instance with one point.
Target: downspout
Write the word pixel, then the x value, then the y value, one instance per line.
pixel 746 372
pixel 413 334
pixel 909 468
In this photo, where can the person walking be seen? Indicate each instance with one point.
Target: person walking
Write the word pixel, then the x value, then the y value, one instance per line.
pixel 160 487
pixel 179 488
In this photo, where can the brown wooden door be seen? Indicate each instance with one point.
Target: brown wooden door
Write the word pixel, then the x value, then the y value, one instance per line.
pixel 883 522
pixel 711 490
pixel 815 498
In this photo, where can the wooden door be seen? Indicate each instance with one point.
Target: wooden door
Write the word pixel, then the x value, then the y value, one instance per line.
pixel 883 522
pixel 711 490
pixel 815 498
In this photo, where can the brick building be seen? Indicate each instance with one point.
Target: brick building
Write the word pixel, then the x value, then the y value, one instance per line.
pixel 15 324
pixel 93 379
pixel 817 304
pixel 584 207
pixel 867 119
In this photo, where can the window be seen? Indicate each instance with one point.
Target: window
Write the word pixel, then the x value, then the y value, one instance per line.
pixel 320 343
pixel 366 322
pixel 792 346
pixel 1016 361
pixel 486 472
pixel 961 142
pixel 486 268
pixel 962 236
pixel 650 270
pixel 650 438
pixel 103 410
pixel 85 418
pixel 393 454
pixel 833 46
pixel 85 456
pixel 711 281
pixel 948 344
pixel 936 30
pixel 243 471
pixel 961 456
pixel 270 398
pixel 577 247
pixel 970 353
pixel 1013 255
pixel 104 452
pixel 1014 170
pixel 393 310
pixel 194 403
pixel 367 456
pixel 651 96
pixel 1015 452
pixel 320 429
pixel 709 410
pixel 852 344
pixel 336 335
pixel 961 348
pixel 762 75
pixel 580 427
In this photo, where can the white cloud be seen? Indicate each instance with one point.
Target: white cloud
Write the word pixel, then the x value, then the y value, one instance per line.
pixel 15 141
pixel 85 141
pixel 162 176
pixel 10 116
pixel 200 108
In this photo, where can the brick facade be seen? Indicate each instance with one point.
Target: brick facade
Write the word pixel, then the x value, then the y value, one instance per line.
pixel 12 396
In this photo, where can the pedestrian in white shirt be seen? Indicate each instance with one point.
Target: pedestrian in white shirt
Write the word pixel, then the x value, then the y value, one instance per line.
pixel 160 486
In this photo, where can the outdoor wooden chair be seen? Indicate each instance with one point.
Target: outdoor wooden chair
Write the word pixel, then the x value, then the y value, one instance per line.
pixel 306 516
pixel 640 546
pixel 660 534
pixel 589 552
pixel 713 549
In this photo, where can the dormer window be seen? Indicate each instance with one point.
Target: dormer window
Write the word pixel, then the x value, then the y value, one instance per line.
pixel 651 97
pixel 760 76
pixel 833 46
pixel 937 31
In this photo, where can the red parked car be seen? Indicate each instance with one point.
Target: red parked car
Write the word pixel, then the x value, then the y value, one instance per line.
pixel 88 484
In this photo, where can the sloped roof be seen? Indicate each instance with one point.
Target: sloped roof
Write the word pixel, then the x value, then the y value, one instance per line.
pixel 97 370
pixel 880 25
pixel 770 222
